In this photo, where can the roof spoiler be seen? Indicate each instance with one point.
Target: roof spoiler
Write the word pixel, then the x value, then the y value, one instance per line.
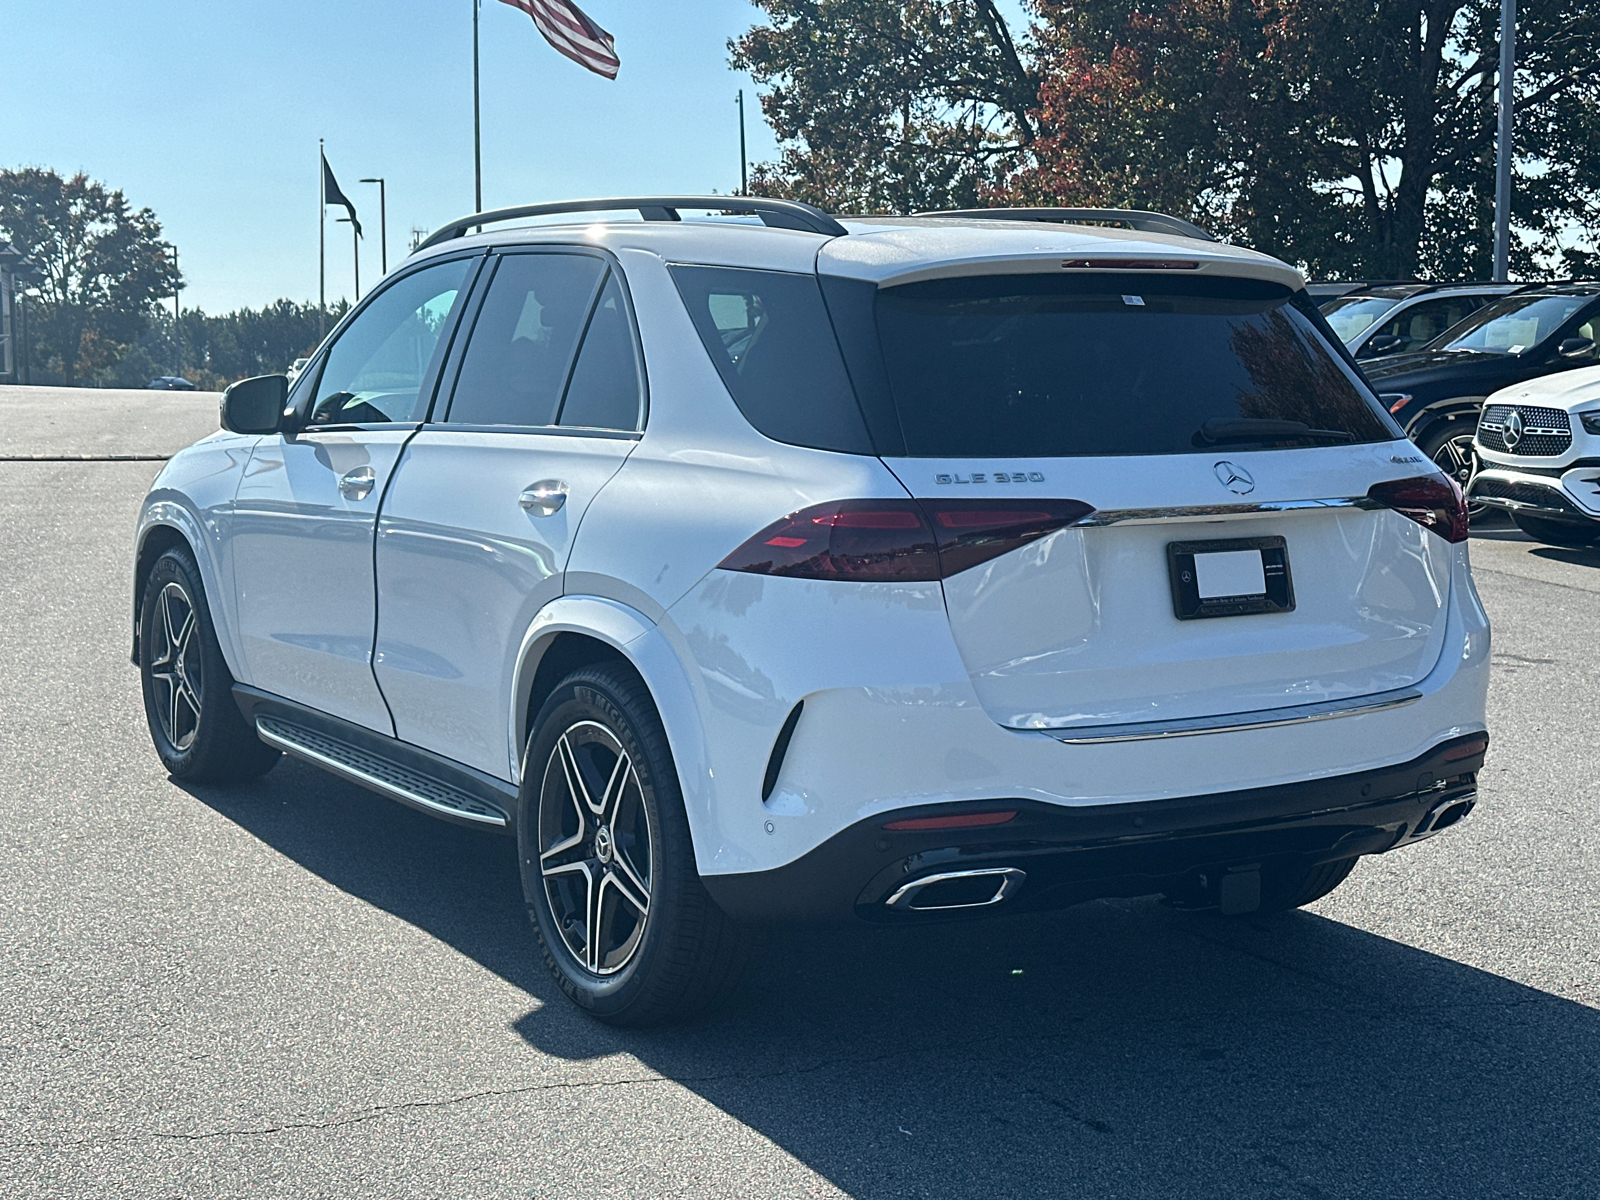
pixel 779 214
pixel 1134 218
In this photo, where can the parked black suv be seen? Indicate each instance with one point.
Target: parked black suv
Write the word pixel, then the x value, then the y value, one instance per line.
pixel 1435 393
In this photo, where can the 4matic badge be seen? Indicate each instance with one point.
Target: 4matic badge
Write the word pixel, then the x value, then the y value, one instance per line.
pixel 992 477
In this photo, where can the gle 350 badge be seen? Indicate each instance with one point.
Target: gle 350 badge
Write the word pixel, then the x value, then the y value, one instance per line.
pixel 1018 476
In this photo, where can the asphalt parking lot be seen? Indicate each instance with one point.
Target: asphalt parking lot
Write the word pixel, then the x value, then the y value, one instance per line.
pixel 297 988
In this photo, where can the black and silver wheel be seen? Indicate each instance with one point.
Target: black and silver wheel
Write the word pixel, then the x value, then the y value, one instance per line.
pixel 1450 446
pixel 1572 534
pixel 198 731
pixel 607 863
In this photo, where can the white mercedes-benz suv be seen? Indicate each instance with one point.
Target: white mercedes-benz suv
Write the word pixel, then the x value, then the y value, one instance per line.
pixel 1538 447
pixel 777 567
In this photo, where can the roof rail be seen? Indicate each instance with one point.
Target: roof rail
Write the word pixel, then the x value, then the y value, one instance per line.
pixel 780 214
pixel 1145 222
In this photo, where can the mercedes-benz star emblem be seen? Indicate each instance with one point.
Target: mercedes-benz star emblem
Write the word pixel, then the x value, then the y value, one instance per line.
pixel 1513 429
pixel 1235 478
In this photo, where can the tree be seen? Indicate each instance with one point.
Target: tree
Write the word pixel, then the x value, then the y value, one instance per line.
pixel 888 106
pixel 1355 137
pixel 102 266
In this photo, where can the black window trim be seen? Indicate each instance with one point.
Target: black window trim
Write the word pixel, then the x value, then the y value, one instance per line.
pixel 438 413
pixel 312 375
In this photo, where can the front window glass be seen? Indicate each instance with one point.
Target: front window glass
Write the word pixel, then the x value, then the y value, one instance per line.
pixel 1351 316
pixel 376 369
pixel 1036 366
pixel 1514 325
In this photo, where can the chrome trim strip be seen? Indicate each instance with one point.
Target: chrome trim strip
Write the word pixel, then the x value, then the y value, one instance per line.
pixel 1119 516
pixel 381 786
pixel 1009 879
pixel 1139 731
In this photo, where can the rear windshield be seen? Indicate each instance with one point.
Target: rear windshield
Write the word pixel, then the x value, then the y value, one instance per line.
pixel 1045 366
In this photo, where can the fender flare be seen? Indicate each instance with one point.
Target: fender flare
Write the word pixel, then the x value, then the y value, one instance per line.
pixel 166 509
pixel 647 648
pixel 1429 415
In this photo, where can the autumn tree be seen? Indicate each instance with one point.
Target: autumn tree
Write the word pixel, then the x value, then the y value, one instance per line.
pixel 101 265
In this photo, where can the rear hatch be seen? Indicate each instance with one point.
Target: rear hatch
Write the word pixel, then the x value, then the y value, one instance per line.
pixel 1234 562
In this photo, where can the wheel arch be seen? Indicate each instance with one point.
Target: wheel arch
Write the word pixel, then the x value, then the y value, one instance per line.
pixel 576 631
pixel 1442 413
pixel 163 525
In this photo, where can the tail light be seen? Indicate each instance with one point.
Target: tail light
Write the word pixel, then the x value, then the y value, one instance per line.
pixel 898 541
pixel 1435 502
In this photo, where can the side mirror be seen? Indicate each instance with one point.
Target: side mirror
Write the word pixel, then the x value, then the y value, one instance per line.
pixel 255 405
pixel 1575 347
pixel 1382 344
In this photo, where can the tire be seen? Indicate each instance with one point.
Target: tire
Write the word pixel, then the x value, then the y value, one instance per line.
pixel 1449 445
pixel 661 949
pixel 1558 533
pixel 1294 887
pixel 199 733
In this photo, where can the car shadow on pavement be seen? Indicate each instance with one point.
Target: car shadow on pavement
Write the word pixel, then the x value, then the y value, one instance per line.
pixel 1589 556
pixel 1113 1049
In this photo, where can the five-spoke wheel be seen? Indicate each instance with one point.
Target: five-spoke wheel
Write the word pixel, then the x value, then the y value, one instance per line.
pixel 594 838
pixel 608 865
pixel 198 730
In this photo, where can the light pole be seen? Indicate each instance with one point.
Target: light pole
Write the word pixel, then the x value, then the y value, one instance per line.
pixel 1502 181
pixel 383 223
pixel 177 314
pixel 355 244
pixel 744 157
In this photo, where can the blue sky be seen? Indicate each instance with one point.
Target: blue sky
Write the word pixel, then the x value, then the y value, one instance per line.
pixel 208 111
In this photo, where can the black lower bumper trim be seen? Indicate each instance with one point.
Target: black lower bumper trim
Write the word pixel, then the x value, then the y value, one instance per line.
pixel 1076 853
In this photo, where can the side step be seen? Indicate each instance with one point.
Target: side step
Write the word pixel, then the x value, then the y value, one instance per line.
pixel 381 774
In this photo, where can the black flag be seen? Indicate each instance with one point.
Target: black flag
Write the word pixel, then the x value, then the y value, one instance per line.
pixel 332 195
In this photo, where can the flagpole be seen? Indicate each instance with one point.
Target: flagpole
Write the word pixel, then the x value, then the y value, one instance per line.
pixel 322 245
pixel 477 123
pixel 744 155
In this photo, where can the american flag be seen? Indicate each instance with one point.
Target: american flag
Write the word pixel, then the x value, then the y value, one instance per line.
pixel 565 27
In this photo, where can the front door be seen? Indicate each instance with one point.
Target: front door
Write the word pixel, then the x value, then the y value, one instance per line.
pixel 477 529
pixel 308 503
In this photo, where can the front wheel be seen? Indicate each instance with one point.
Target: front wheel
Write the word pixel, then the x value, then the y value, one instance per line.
pixel 1451 449
pixel 608 871
pixel 1558 533
pixel 199 733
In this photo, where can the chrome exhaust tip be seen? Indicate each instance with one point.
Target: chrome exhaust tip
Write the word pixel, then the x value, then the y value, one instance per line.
pixel 952 890
pixel 1447 812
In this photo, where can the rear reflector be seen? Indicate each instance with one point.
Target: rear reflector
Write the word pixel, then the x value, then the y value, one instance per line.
pixel 1433 501
pixel 1467 749
pixel 955 821
pixel 900 541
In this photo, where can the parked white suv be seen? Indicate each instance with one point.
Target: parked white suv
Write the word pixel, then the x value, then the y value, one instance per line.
pixel 778 567
pixel 1538 446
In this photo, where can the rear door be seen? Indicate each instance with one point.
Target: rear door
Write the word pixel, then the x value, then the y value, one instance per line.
pixel 475 534
pixel 1232 564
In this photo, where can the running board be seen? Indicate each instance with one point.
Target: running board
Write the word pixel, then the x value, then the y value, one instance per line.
pixel 378 772
pixel 1139 731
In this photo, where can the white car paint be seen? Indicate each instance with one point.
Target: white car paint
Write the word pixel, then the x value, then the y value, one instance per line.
pixel 910 690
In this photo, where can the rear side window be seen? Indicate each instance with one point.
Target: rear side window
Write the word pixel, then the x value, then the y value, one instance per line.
pixel 525 338
pixel 605 392
pixel 1042 366
pixel 768 334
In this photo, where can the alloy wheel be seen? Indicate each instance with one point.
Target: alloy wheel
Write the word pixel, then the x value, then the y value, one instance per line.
pixel 1457 459
pixel 175 666
pixel 595 847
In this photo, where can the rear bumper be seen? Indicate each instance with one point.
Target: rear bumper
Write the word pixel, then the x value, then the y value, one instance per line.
pixel 1072 854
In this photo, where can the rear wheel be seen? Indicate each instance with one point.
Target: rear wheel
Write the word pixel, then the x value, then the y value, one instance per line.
pixel 1557 533
pixel 608 870
pixel 199 733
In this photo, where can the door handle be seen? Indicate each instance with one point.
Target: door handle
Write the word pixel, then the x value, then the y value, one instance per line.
pixel 545 498
pixel 357 484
